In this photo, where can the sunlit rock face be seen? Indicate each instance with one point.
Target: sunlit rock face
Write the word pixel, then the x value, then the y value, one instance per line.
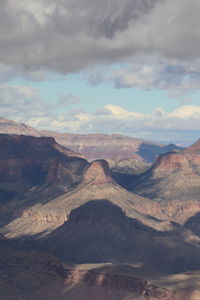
pixel 173 181
pixel 98 172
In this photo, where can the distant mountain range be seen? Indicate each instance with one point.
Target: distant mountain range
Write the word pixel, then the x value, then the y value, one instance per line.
pixel 97 146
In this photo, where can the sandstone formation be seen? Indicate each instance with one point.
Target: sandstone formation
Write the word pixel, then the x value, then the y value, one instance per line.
pixel 98 172
pixel 174 182
pixel 43 209
pixel 117 283
pixel 174 175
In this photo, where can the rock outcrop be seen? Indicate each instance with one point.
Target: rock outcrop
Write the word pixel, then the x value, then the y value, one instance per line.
pixel 135 287
pixel 42 217
pixel 27 161
pixel 173 181
pixel 97 172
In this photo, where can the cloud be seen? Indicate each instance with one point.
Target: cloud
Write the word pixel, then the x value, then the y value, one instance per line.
pixel 68 36
pixel 13 95
pixel 155 42
pixel 25 104
pixel 178 78
pixel 157 125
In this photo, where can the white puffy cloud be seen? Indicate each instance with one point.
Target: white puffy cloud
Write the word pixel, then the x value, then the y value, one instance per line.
pixel 25 104
pixel 157 125
pixel 186 112
pixel 120 113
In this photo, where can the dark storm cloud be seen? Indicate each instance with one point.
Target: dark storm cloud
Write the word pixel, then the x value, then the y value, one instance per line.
pixel 70 35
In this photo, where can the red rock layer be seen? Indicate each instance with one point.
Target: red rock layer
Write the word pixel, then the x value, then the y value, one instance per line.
pixel 98 172
pixel 139 287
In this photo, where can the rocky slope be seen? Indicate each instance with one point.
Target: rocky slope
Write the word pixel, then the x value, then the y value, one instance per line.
pixel 100 232
pixel 173 181
pixel 43 209
pixel 35 216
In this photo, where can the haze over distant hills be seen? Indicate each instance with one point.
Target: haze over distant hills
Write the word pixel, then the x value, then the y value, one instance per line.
pixel 96 146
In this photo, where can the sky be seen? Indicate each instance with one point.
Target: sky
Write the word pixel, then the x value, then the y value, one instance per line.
pixel 130 67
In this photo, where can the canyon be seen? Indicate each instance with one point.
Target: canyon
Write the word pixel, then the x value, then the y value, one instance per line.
pixel 71 230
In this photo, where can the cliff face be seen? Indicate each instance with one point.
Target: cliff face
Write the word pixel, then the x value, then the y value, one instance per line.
pixel 174 176
pixel 135 287
pixel 169 163
pixel 29 161
pixel 174 181
pixel 98 172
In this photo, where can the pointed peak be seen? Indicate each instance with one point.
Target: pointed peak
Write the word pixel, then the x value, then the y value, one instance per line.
pixel 98 172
